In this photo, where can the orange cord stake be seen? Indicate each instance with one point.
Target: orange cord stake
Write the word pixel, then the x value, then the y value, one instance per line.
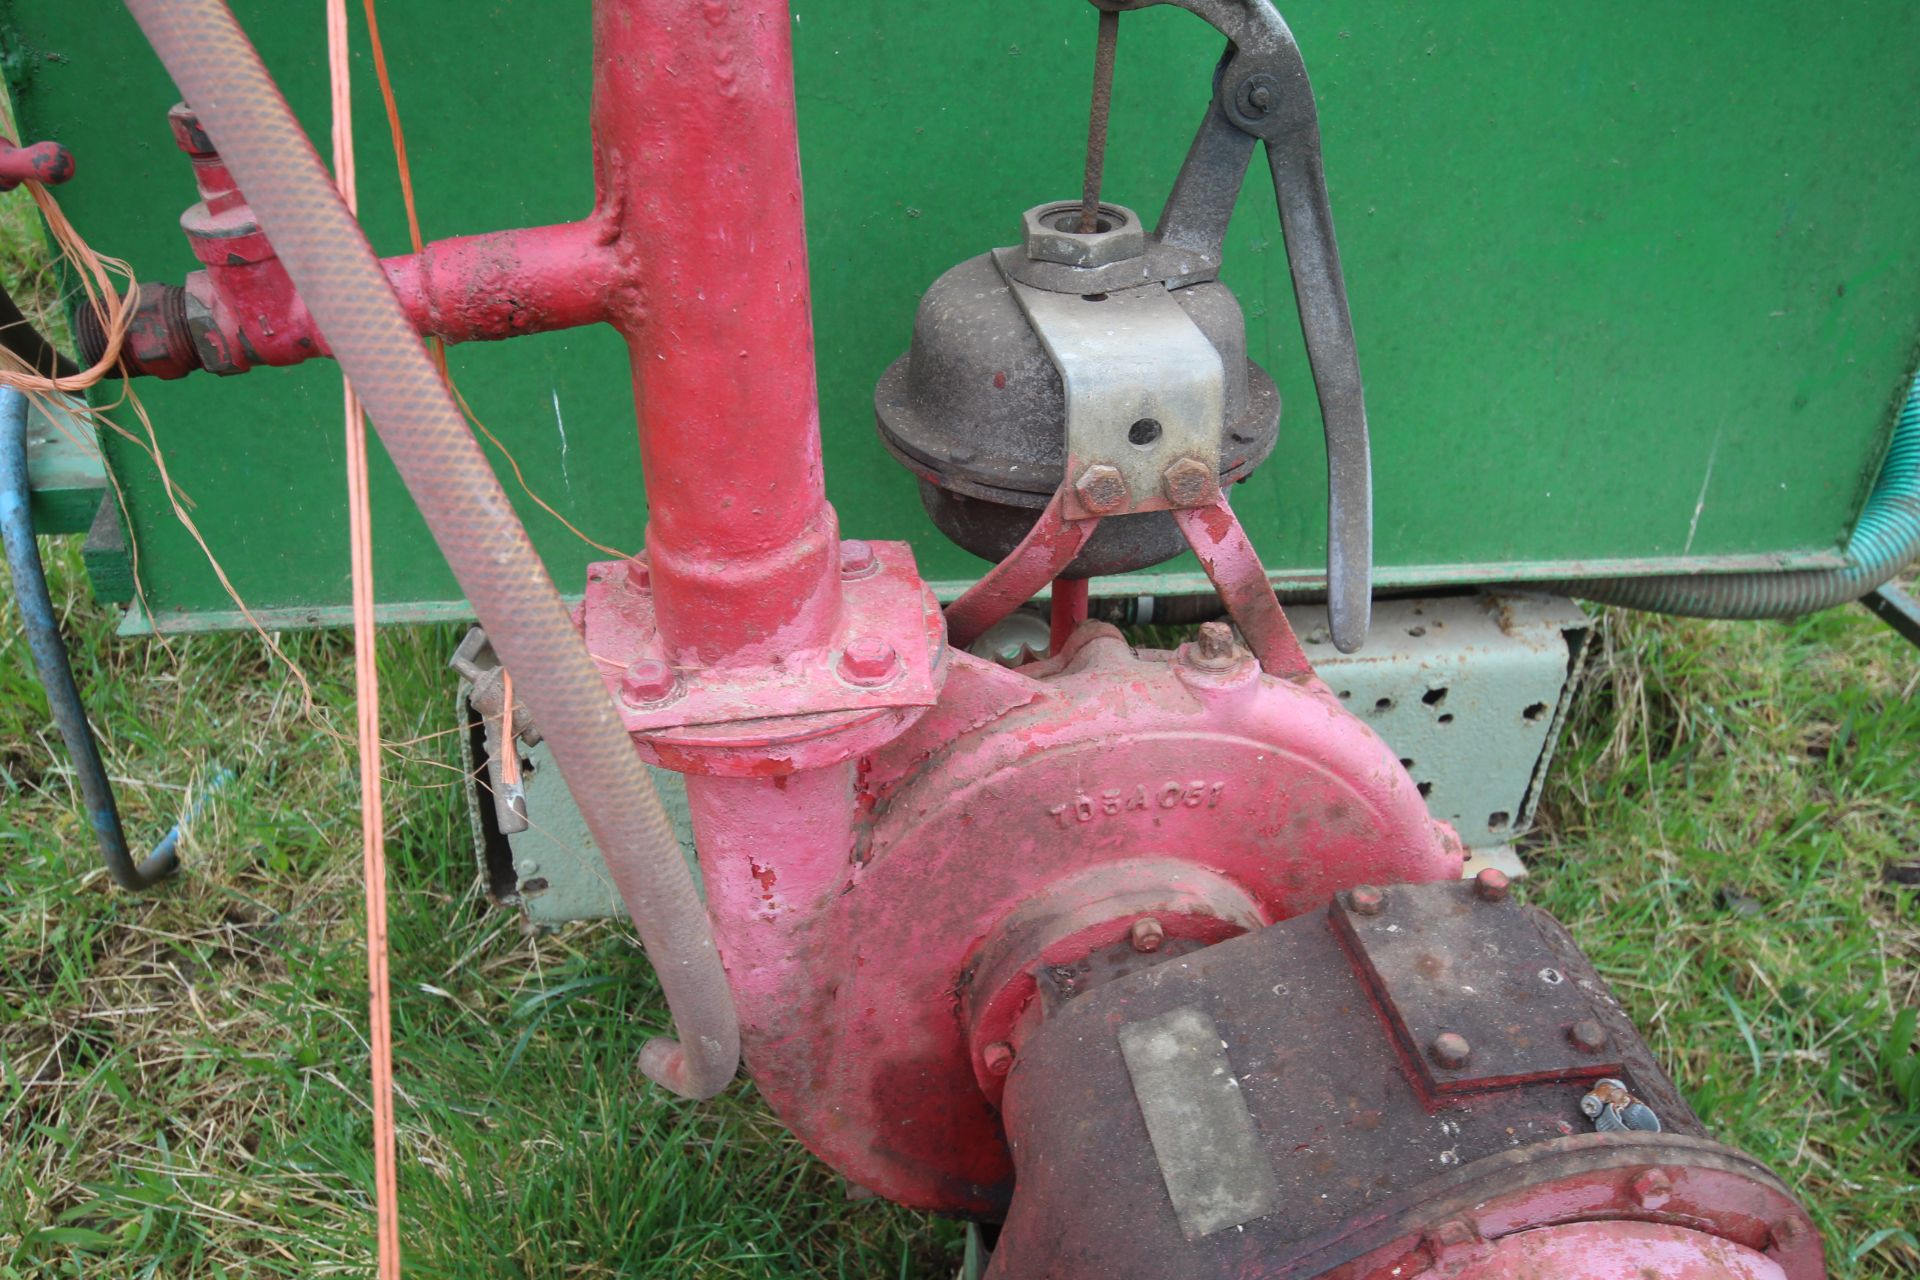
pixel 367 701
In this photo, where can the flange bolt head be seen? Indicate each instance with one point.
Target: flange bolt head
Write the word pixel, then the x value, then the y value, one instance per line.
pixel 869 661
pixel 1450 1050
pixel 1491 885
pixel 998 1057
pixel 1146 934
pixel 648 681
pixel 1366 900
pixel 1652 1189
pixel 857 559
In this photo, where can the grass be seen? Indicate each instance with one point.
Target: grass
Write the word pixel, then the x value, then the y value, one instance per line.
pixel 182 1075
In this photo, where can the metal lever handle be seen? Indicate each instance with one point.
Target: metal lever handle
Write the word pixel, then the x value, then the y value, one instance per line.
pixel 1261 91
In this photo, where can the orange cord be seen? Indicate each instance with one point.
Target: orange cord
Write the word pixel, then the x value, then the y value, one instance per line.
pixel 509 754
pixel 367 702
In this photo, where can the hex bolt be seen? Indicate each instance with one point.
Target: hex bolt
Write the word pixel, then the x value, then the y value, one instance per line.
pixel 1188 482
pixel 1588 1035
pixel 1146 934
pixel 1652 1189
pixel 639 575
pixel 869 661
pixel 1213 646
pixel 1450 1050
pixel 857 559
pixel 648 682
pixel 1491 885
pixel 1366 900
pixel 998 1057
pixel 1102 489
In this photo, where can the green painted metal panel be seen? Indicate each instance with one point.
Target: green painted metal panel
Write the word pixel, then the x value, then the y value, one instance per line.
pixel 1635 288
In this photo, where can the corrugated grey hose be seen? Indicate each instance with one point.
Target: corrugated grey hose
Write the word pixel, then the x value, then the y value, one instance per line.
pixel 341 282
pixel 1885 541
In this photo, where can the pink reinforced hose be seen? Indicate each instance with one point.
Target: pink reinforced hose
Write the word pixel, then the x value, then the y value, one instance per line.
pixel 330 262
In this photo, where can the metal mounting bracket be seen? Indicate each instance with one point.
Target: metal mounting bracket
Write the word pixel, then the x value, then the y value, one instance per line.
pixel 1146 398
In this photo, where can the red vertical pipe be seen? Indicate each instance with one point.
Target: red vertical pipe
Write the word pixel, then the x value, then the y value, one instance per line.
pixel 698 166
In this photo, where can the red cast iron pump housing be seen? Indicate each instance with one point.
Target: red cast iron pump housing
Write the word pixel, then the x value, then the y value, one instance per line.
pixel 1156 959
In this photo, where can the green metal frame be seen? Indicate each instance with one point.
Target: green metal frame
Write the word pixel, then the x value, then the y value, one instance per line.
pixel 1634 293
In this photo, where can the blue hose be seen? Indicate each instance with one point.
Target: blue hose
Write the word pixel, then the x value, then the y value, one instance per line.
pixel 56 673
pixel 1886 540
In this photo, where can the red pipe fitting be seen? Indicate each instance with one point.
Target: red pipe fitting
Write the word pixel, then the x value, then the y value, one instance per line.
pixel 241 310
pixel 47 163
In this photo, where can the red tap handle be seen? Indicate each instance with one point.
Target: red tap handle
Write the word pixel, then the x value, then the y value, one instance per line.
pixel 47 163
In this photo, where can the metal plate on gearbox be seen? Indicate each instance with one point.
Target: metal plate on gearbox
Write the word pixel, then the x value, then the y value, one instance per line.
pixel 1144 389
pixel 1197 1120
pixel 1444 961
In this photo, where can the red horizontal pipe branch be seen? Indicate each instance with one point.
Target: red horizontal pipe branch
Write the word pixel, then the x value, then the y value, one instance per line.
pixel 696 251
pixel 507 283
pixel 240 310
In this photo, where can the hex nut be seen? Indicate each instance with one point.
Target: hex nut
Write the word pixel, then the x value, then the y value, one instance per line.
pixel 869 661
pixel 998 1057
pixel 1101 489
pixel 1588 1035
pixel 1046 231
pixel 1652 1189
pixel 1450 1050
pixel 1147 934
pixel 1188 483
pixel 1366 900
pixel 1491 885
pixel 648 682
pixel 1213 645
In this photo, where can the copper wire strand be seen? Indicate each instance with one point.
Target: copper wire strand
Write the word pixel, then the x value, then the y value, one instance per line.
pixel 116 305
pixel 404 171
pixel 366 677
pixel 509 754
